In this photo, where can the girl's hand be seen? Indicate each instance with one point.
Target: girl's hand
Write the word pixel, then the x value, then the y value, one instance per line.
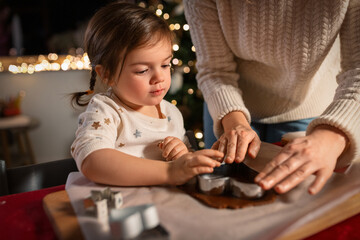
pixel 316 154
pixel 238 138
pixel 191 164
pixel 172 148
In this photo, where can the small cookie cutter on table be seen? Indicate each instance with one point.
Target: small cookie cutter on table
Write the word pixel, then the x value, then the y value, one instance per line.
pixel 99 203
pixel 136 222
pixel 238 179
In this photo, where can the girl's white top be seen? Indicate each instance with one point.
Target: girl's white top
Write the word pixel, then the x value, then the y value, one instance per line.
pixel 107 123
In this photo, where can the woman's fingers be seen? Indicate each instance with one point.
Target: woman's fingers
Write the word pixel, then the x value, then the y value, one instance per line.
pixel 236 143
pixel 231 147
pixel 222 144
pixel 297 161
pixel 294 178
pixel 254 147
pixel 321 178
pixel 272 165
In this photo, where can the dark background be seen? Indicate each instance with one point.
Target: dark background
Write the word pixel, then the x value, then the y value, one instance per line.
pixel 42 21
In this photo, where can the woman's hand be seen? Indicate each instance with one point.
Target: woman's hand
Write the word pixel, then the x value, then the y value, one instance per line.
pixel 238 138
pixel 316 154
pixel 172 148
pixel 191 164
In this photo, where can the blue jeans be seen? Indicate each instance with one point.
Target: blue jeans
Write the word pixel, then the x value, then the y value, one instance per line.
pixel 267 132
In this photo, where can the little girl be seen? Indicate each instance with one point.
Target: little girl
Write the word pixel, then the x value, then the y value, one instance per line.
pixel 117 141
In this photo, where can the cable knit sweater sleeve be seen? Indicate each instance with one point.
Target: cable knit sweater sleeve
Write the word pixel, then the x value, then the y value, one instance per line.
pixel 217 76
pixel 344 111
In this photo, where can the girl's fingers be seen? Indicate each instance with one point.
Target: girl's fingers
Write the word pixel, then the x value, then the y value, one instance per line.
pixel 211 153
pixel 177 155
pixel 202 160
pixel 171 147
pixel 173 151
pixel 202 170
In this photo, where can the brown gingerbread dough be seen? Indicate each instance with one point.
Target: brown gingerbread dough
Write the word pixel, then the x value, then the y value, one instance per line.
pixel 227 200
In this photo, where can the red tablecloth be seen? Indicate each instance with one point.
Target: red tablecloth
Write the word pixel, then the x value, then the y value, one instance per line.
pixel 22 216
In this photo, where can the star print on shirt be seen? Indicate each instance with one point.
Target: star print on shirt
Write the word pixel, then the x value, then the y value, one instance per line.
pixel 107 121
pixel 121 144
pixel 96 125
pixel 169 118
pixel 137 133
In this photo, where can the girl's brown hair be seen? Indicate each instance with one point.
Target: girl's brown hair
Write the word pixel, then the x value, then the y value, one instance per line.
pixel 113 32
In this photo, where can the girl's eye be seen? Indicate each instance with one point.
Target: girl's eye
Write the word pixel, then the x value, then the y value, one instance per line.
pixel 166 65
pixel 142 72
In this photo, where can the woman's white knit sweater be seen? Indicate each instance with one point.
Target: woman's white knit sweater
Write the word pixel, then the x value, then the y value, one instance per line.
pixel 279 61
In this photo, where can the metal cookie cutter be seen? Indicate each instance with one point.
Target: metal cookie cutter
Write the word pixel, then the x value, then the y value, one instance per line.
pixel 99 202
pixel 213 184
pixel 130 222
pixel 245 190
pixel 235 178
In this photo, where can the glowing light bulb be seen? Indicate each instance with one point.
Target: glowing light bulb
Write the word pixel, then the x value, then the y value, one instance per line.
pixel 186 69
pixel 166 16
pixel 175 61
pixel 175 47
pixel 158 12
pixel 199 135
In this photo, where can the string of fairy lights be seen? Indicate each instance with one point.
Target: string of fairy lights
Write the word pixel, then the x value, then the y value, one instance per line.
pixel 79 59
pixel 55 62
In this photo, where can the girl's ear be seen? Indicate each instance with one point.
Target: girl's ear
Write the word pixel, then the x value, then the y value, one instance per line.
pixel 104 75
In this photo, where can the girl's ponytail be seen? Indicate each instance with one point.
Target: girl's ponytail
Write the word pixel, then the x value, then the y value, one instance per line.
pixel 78 97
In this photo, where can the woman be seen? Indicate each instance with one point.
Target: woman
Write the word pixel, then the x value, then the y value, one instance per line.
pixel 277 64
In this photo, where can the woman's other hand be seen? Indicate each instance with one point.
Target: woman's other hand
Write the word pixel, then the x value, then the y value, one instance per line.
pixel 315 154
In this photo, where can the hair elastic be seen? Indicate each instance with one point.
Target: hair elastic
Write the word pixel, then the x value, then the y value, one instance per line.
pixel 88 92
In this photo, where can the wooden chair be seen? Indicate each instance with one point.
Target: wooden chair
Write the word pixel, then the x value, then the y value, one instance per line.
pixel 34 177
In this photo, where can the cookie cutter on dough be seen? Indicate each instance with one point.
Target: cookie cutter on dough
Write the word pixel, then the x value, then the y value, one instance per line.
pixel 234 178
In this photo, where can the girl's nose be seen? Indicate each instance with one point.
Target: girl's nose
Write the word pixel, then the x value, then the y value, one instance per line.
pixel 157 77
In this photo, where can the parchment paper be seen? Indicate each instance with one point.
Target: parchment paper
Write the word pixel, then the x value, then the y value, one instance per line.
pixel 186 218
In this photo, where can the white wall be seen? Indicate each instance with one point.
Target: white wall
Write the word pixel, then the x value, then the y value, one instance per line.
pixel 47 100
